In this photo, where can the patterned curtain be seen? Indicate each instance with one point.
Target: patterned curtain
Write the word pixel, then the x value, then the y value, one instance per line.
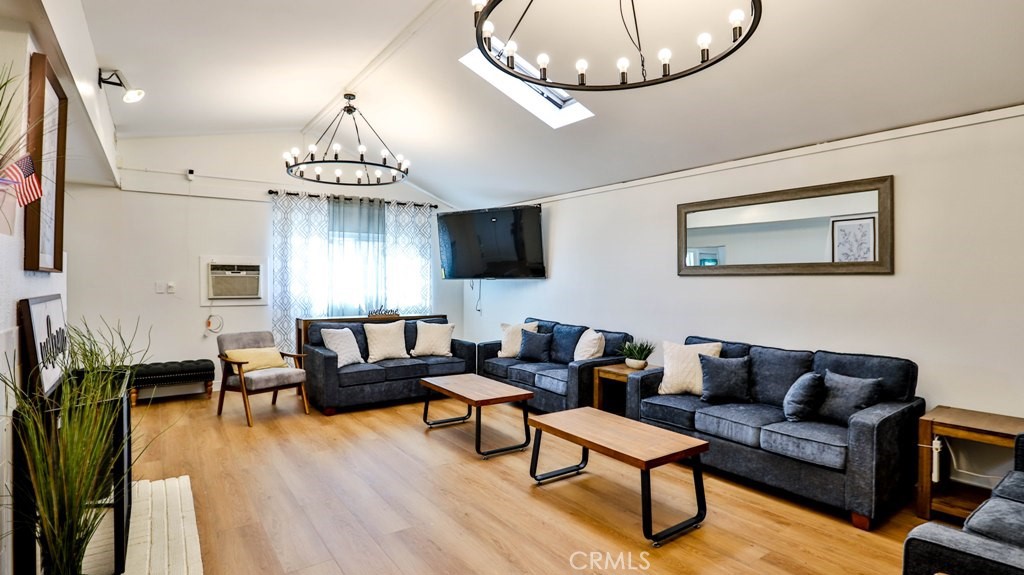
pixel 336 257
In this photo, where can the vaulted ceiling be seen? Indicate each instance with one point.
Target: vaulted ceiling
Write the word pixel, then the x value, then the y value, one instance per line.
pixel 815 71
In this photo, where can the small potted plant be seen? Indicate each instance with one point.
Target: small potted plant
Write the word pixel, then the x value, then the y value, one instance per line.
pixel 637 352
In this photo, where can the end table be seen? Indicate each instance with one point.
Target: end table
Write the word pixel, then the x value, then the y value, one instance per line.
pixel 618 372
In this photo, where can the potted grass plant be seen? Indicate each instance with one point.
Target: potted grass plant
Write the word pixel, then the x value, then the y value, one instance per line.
pixel 637 352
pixel 68 442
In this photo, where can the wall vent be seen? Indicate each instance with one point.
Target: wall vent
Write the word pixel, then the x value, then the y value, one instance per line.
pixel 234 281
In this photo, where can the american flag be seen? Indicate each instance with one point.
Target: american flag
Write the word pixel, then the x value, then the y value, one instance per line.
pixel 22 177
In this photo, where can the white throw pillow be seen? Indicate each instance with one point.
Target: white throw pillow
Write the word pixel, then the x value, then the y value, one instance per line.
pixel 682 367
pixel 433 339
pixel 386 340
pixel 512 337
pixel 343 343
pixel 590 346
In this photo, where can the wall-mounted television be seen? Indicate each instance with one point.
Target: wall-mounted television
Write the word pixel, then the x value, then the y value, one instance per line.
pixel 496 243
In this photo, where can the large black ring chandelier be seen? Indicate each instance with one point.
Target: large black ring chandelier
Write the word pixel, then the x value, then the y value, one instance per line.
pixel 326 162
pixel 504 54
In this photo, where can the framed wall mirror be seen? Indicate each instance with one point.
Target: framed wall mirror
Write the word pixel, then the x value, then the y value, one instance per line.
pixel 841 228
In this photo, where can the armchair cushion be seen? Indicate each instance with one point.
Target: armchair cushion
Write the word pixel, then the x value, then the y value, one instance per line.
pixel 386 340
pixel 342 342
pixel 812 441
pixel 498 366
pixel 846 395
pixel 1011 486
pixel 269 378
pixel 256 358
pixel 725 380
pixel 564 340
pixel 678 410
pixel 553 380
pixel 535 347
pixel 360 374
pixel 999 519
pixel 739 422
pixel 774 370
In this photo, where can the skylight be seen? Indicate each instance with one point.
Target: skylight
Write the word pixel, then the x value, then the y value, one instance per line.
pixel 554 107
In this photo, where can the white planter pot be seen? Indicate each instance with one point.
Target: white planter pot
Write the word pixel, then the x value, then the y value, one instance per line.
pixel 636 363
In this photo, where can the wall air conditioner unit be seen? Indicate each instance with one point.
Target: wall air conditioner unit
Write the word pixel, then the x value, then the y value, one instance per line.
pixel 233 281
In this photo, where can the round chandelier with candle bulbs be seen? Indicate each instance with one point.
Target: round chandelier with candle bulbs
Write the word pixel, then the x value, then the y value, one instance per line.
pixel 677 56
pixel 327 161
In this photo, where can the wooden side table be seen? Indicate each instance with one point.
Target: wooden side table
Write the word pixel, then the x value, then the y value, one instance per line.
pixel 957 499
pixel 618 372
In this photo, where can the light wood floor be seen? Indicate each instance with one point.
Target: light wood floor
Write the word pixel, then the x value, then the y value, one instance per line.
pixel 374 493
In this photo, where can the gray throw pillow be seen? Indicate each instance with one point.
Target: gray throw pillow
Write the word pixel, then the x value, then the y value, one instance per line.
pixel 563 346
pixel 845 395
pixel 535 347
pixel 726 380
pixel 804 397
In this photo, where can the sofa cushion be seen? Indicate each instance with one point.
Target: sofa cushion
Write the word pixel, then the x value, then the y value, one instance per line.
pixel 386 341
pixel 804 397
pixel 899 376
pixel 512 338
pixel 316 338
pixel 773 370
pixel 812 441
pixel 498 366
pixel 543 325
pixel 730 349
pixel 725 380
pixel 432 339
pixel 525 372
pixel 535 346
pixel 999 519
pixel 563 345
pixel 590 346
pixel 343 343
pixel 553 380
pixel 1011 486
pixel 360 374
pixel 614 340
pixel 682 367
pixel 412 330
pixel 845 396
pixel 677 410
pixel 739 422
pixel 402 368
pixel 443 365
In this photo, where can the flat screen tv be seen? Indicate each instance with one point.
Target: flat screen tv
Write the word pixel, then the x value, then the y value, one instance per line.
pixel 496 243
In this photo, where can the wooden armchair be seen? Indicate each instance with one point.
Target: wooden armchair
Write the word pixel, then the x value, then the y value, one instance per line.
pixel 251 382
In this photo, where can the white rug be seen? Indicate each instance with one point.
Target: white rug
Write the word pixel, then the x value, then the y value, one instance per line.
pixel 163 538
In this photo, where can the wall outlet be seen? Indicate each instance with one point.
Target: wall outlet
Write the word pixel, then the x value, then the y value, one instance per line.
pixel 172 287
pixel 159 287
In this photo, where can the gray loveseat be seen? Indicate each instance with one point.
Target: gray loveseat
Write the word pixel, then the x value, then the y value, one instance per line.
pixel 991 542
pixel 866 467
pixel 331 388
pixel 560 383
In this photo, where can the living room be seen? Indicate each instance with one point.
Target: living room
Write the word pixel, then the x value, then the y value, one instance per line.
pixel 818 96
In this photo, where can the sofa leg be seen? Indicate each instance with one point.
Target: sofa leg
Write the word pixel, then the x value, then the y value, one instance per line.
pixel 861 521
pixel 329 411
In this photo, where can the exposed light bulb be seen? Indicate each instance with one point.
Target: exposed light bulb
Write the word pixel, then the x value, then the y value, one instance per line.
pixel 736 17
pixel 359 174
pixel 664 55
pixel 394 172
pixel 581 66
pixel 543 60
pixel 399 158
pixel 362 149
pixel 623 65
pixel 488 29
pixel 384 153
pixel 512 47
pixel 318 170
pixel 286 156
pixel 336 147
pixel 295 152
pixel 337 173
pixel 377 174
pixel 312 148
pixel 394 175
pixel 132 96
pixel 478 5
pixel 704 41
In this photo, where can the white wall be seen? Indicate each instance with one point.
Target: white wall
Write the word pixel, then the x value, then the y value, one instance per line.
pixel 158 226
pixel 953 305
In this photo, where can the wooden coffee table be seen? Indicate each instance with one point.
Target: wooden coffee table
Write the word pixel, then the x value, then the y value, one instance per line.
pixel 638 444
pixel 476 391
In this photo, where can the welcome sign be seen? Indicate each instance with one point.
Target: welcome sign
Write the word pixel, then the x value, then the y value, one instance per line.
pixel 44 340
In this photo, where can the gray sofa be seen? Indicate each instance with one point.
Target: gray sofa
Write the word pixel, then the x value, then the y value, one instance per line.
pixel 991 542
pixel 866 467
pixel 561 383
pixel 331 388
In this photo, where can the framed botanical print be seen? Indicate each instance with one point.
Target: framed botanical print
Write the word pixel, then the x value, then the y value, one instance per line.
pixel 47 138
pixel 853 240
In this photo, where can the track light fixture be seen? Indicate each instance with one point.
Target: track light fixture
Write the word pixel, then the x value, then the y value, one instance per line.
pixel 116 78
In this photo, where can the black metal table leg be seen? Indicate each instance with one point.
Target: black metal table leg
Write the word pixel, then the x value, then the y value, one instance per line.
pixel 450 420
pixel 500 450
pixel 558 473
pixel 678 528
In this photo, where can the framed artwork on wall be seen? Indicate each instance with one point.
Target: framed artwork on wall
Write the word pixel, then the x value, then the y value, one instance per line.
pixel 853 240
pixel 44 342
pixel 47 138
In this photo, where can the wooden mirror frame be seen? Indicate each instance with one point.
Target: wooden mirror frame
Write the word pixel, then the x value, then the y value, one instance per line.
pixel 41 75
pixel 883 265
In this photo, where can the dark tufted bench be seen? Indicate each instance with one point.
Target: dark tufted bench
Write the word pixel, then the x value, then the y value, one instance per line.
pixel 165 373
